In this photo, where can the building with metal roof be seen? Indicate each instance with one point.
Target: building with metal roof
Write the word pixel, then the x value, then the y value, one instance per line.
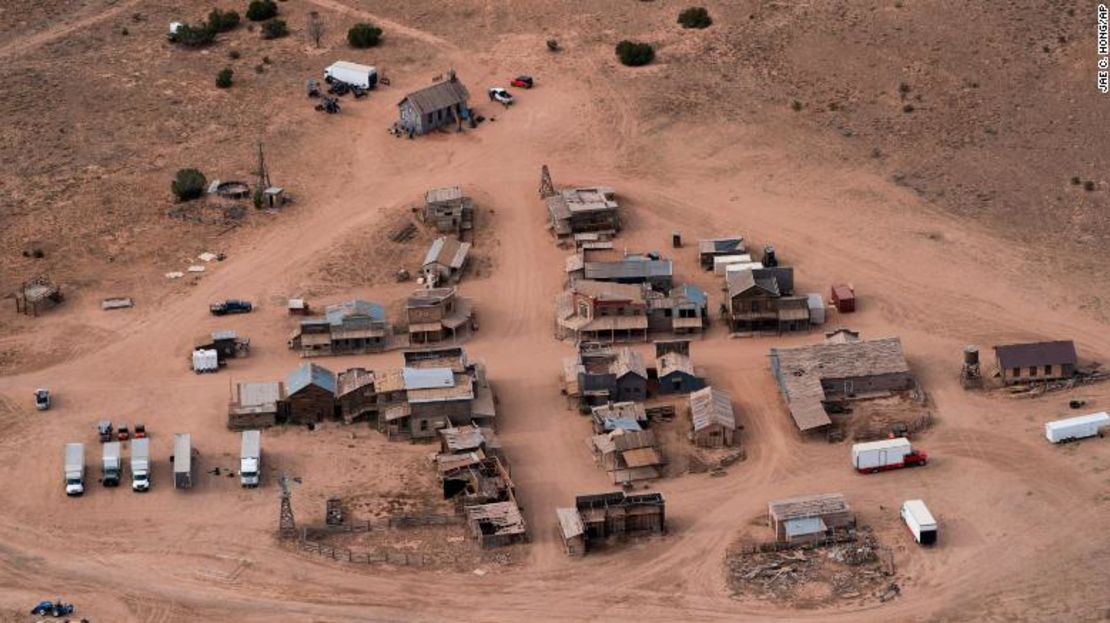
pixel 659 274
pixel 445 260
pixel 1036 361
pixel 712 420
pixel 809 517
pixel 586 209
pixel 442 103
pixel 811 376
pixel 349 327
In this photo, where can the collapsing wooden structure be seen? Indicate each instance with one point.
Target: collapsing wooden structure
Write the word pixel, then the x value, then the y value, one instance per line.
pixel 810 517
pixel 36 293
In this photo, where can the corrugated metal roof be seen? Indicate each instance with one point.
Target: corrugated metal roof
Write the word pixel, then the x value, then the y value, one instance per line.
pixel 447 252
pixel 310 374
pixel 223 335
pixel 438 96
pixel 804 526
pixel 570 522
pixel 338 312
pixel 444 195
pixel 710 406
pixel 722 245
pixel 428 378
pixel 257 394
pixel 694 294
pixel 1061 352
pixel 631 268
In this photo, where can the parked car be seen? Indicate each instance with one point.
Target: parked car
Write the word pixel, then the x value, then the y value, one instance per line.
pixel 104 430
pixel 523 82
pixel 42 399
pixel 230 306
pixel 497 94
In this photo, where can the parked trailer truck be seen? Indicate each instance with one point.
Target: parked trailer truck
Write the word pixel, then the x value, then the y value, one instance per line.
pixel 111 464
pixel 920 522
pixel 75 468
pixel 140 464
pixel 1075 428
pixel 877 456
pixel 182 461
pixel 354 74
pixel 250 461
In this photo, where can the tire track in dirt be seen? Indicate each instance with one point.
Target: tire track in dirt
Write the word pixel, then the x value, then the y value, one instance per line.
pixel 388 25
pixel 38 39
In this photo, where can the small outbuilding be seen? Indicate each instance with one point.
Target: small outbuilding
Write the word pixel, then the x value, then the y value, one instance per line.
pixel 255 405
pixel 844 298
pixel 448 209
pixel 311 394
pixel 712 420
pixel 676 374
pixel 717 247
pixel 445 261
pixel 809 518
pixel 572 531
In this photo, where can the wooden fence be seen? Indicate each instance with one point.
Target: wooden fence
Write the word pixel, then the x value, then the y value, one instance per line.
pixel 379 557
pixel 307 541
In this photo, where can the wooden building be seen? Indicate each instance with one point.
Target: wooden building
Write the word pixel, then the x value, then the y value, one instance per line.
pixel 445 261
pixel 675 374
pixel 356 395
pixel 448 210
pixel 758 301
pixel 347 328
pixel 498 524
pixel 712 420
pixel 602 311
pixel 310 394
pixel 443 103
pixel 808 518
pixel 620 515
pixel 256 405
pixel 436 314
pixel 811 377
pixel 628 456
pixel 630 416
pixel 635 269
pixel 1036 361
pixel 572 531
pixel 587 209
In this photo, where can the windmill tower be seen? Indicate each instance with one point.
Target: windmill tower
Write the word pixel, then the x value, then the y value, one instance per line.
pixel 547 188
pixel 287 526
pixel 263 174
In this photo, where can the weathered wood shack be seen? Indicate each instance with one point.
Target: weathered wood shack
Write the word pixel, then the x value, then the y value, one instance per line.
pixel 1036 361
pixel 620 515
pixel 810 517
pixel 442 103
pixel 448 209
pixel 712 420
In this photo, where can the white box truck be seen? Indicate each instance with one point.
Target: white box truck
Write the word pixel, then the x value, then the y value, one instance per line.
pixel 1075 428
pixel 140 464
pixel 182 461
pixel 920 522
pixel 877 456
pixel 354 74
pixel 250 461
pixel 75 468
pixel 206 360
pixel 111 464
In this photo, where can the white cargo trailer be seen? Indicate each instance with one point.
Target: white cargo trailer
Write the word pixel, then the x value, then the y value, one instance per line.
pixel 75 468
pixel 721 261
pixel 1076 427
pixel 920 521
pixel 875 456
pixel 354 74
pixel 250 461
pixel 140 464
pixel 111 464
pixel 205 360
pixel 182 461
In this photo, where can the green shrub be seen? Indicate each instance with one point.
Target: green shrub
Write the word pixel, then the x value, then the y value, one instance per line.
pixel 192 36
pixel 634 54
pixel 695 17
pixel 223 21
pixel 223 79
pixel 188 184
pixel 261 10
pixel 274 29
pixel 364 36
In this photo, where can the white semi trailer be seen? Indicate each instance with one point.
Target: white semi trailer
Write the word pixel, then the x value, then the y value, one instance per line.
pixel 250 461
pixel 354 74
pixel 1075 428
pixel 75 468
pixel 140 464
pixel 182 461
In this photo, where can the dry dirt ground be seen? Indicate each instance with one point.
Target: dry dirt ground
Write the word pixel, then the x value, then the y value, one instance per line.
pixel 957 223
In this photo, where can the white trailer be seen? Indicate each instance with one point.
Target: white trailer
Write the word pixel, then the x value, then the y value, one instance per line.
pixel 354 74
pixel 75 468
pixel 875 456
pixel 205 360
pixel 920 522
pixel 721 261
pixel 182 461
pixel 816 304
pixel 140 464
pixel 250 458
pixel 1075 428
pixel 111 464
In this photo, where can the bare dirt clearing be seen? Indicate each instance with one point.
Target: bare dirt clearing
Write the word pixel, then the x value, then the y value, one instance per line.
pixel 704 141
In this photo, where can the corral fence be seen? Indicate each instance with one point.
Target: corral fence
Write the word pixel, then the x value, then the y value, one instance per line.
pixel 309 539
pixel 379 557
pixel 391 522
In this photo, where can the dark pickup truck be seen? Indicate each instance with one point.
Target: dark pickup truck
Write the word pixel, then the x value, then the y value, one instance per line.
pixel 230 306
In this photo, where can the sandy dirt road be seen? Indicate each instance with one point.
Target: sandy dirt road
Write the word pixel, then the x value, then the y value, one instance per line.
pixel 1017 514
